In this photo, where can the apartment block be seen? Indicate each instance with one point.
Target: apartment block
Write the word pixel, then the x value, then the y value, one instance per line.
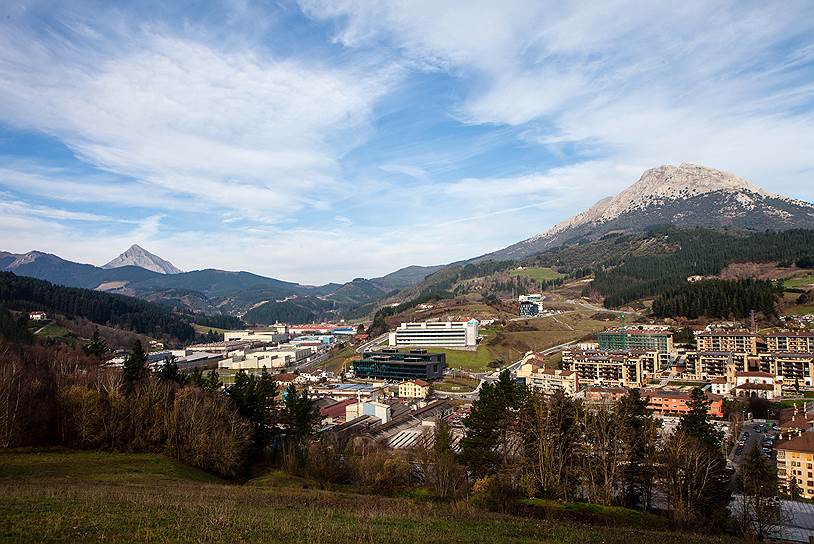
pixel 610 368
pixel 791 342
pixel 441 333
pixel 634 338
pixel 727 340
pixel 794 367
pixel 795 460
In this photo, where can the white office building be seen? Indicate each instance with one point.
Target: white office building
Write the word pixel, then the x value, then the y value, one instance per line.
pixel 442 333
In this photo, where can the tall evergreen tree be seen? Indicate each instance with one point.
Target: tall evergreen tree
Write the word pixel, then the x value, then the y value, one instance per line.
pixel 254 397
pixel 135 362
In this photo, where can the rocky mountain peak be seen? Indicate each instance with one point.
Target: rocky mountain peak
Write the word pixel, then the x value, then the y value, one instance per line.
pixel 138 256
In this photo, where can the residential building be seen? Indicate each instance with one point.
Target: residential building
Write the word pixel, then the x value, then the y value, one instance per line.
pixel 549 381
pixel 596 395
pixel 620 368
pixel 673 402
pixel 414 389
pixel 37 316
pixel 440 333
pixel 635 338
pixel 791 342
pixel 393 364
pixel 707 365
pixel 794 368
pixel 795 459
pixel 727 340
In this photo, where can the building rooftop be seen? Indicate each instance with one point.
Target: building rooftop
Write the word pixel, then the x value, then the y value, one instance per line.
pixel 802 443
pixel 727 332
pixel 753 374
pixel 756 386
pixel 420 382
pixel 798 334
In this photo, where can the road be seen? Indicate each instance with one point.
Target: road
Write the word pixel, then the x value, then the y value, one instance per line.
pixel 371 343
pixel 754 440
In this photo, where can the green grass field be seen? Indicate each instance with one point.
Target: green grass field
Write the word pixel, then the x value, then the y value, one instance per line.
pixel 335 362
pixel 53 330
pixel 538 274
pixel 456 384
pixel 800 282
pixel 66 497
pixel 203 329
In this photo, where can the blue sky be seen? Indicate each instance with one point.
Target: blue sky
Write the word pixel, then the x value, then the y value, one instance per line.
pixel 321 141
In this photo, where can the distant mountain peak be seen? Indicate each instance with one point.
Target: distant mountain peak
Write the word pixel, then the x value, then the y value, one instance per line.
pixel 687 195
pixel 138 256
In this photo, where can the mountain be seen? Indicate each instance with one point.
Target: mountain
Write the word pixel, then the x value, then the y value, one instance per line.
pixel 405 277
pixel 211 291
pixel 683 196
pixel 138 256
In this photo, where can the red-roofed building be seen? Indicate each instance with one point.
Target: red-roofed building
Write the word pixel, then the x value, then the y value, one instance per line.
pixel 414 389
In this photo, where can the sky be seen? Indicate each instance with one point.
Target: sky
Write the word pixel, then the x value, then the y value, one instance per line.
pixel 319 141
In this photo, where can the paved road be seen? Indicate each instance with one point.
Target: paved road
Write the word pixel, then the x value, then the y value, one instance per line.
pixel 371 343
pixel 754 440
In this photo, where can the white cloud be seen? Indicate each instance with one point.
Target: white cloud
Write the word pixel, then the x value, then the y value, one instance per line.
pixel 727 84
pixel 233 129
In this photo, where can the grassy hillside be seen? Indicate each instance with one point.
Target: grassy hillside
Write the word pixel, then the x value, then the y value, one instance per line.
pixel 538 274
pixel 97 497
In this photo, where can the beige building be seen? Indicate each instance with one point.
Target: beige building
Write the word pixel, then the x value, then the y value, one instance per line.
pixel 795 459
pixel 273 358
pixel 414 389
pixel 276 334
pixel 791 342
pixel 727 340
pixel 610 368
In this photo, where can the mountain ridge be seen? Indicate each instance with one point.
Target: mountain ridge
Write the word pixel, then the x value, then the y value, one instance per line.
pixel 687 195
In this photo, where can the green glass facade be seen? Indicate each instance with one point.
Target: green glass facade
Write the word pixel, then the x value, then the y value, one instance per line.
pixel 638 340
pixel 400 365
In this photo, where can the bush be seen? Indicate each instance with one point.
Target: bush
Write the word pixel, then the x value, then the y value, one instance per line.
pixel 495 493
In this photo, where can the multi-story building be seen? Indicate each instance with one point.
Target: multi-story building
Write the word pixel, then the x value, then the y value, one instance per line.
pixel 727 340
pixel 441 333
pixel 549 381
pixel 676 402
pixel 707 365
pixel 529 309
pixel 794 368
pixel 275 334
pixel 414 389
pixel 634 338
pixel 791 342
pixel 611 368
pixel 392 364
pixel 795 459
pixel 279 357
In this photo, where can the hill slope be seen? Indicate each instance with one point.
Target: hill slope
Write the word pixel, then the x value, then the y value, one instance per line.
pixel 683 196
pixel 118 498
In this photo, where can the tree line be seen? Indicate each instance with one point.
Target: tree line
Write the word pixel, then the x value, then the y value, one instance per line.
pixel 523 443
pixel 720 298
pixel 62 396
pixel 129 313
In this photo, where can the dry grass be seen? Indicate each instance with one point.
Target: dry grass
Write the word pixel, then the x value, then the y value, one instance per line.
pixel 93 497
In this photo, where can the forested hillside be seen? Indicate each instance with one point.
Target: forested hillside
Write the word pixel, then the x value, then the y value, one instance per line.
pixel 719 298
pixel 699 252
pixel 129 313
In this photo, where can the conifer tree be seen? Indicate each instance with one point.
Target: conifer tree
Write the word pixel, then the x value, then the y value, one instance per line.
pixel 135 362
